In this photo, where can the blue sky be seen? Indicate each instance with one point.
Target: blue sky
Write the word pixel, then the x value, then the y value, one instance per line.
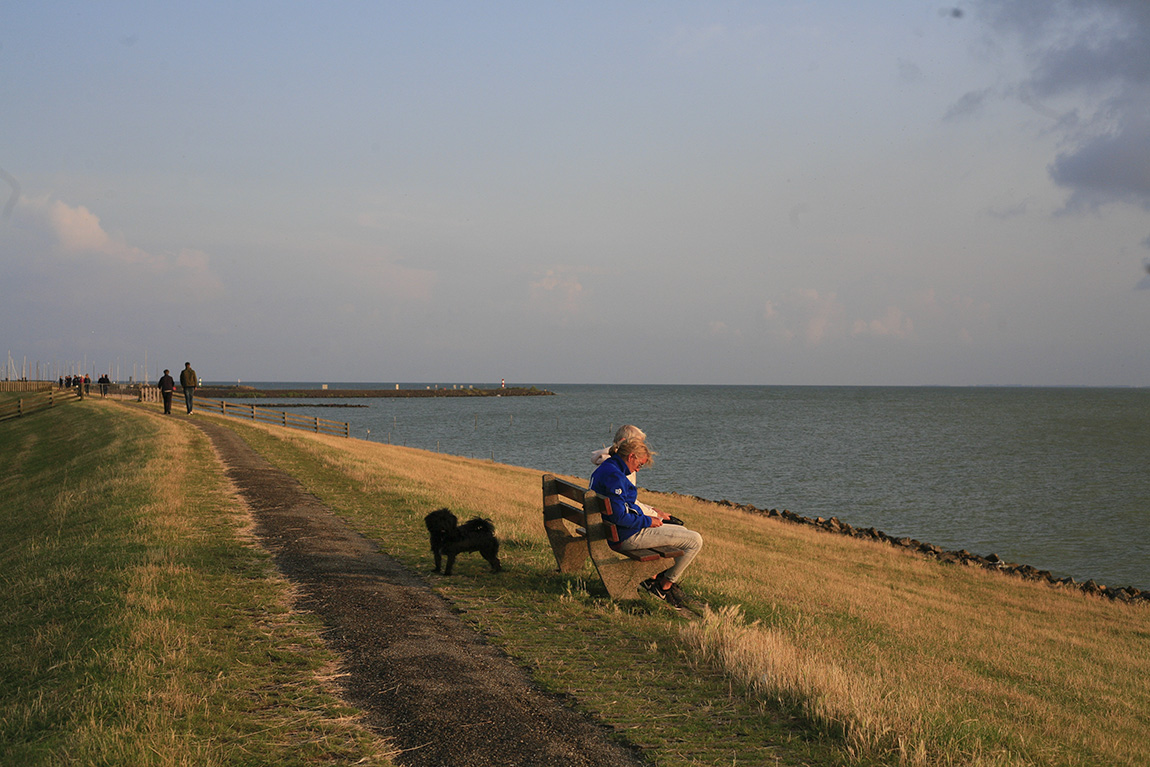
pixel 740 193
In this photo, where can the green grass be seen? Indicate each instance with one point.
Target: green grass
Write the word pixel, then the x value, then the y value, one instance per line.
pixel 823 650
pixel 140 626
pixel 625 667
pixel 831 650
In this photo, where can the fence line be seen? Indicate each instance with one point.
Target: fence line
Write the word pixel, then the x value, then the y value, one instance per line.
pixel 39 400
pixel 25 385
pixel 254 413
pixel 44 394
pixel 276 417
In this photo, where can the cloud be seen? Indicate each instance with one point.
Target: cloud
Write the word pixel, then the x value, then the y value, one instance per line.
pixel 969 104
pixel 64 251
pixel 893 324
pixel 1089 63
pixel 717 328
pixel 10 205
pixel 827 319
pixel 558 289
pixel 376 274
pixel 909 72
pixel 1145 283
pixel 79 232
pixel 807 314
pixel 1110 167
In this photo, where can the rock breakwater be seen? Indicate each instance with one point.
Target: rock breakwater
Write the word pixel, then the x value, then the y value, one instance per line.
pixel 964 558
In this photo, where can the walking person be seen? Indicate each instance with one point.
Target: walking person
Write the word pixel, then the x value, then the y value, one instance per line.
pixel 189 382
pixel 167 385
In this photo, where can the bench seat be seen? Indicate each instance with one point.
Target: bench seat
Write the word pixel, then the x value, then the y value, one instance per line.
pixel 650 555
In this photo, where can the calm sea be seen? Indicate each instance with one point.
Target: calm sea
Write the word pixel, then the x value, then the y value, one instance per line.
pixel 1055 478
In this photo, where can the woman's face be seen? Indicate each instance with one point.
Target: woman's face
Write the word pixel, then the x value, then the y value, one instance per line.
pixel 637 460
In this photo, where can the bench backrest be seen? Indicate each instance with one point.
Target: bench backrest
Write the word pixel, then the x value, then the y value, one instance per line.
pixel 573 517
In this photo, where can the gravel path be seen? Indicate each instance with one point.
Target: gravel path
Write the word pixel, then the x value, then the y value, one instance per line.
pixel 427 681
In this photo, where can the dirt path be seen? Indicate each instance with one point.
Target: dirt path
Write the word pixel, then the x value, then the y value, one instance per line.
pixel 427 681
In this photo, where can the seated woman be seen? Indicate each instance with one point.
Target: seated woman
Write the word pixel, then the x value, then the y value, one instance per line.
pixel 636 529
pixel 628 431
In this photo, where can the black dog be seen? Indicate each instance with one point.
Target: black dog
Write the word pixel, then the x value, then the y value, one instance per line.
pixel 449 538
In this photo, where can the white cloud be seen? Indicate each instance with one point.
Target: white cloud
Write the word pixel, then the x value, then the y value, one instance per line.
pixel 892 324
pixel 805 313
pixel 79 231
pixel 68 254
pixel 558 289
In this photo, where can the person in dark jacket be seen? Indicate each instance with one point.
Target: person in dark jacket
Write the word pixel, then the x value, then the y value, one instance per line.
pixel 189 382
pixel 637 530
pixel 167 385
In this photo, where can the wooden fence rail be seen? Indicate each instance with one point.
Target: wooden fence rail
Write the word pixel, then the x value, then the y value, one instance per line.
pixel 34 401
pixel 25 385
pixel 254 413
pixel 277 417
pixel 50 396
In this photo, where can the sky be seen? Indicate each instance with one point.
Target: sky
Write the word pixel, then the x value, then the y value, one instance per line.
pixel 816 193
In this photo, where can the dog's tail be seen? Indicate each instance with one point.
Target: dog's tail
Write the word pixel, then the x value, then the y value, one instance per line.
pixel 479 525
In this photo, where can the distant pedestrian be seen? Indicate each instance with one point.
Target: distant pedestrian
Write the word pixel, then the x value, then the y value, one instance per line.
pixel 167 385
pixel 104 381
pixel 189 382
pixel 87 384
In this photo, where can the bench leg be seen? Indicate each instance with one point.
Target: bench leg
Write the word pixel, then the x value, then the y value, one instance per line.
pixel 622 576
pixel 570 552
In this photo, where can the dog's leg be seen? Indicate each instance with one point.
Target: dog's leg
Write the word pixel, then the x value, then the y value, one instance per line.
pixel 491 554
pixel 450 563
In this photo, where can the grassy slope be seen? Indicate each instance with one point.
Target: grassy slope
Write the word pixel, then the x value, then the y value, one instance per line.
pixel 140 626
pixel 892 657
pixel 824 646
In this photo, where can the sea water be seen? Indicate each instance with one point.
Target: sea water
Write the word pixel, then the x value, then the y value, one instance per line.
pixel 1057 478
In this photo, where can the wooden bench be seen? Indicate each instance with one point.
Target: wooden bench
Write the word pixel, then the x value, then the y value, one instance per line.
pixel 573 518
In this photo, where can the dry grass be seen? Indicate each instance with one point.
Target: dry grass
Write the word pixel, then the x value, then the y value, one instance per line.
pixel 937 664
pixel 139 629
pixel 900 659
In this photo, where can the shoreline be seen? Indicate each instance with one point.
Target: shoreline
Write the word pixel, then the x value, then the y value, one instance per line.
pixel 964 558
pixel 250 392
